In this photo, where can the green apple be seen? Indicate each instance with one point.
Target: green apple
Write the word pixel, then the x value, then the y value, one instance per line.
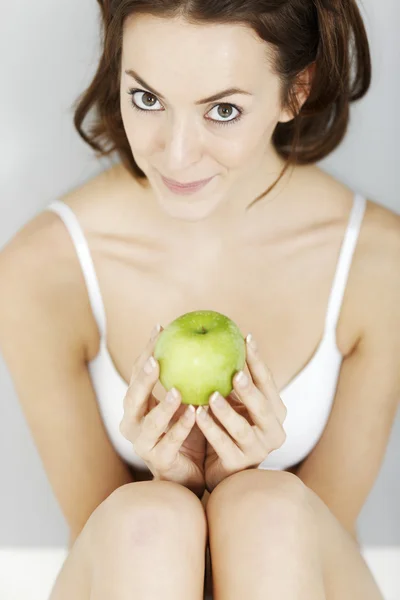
pixel 199 353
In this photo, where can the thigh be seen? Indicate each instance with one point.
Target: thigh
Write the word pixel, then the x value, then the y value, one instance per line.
pixel 73 580
pixel 346 574
pixel 125 506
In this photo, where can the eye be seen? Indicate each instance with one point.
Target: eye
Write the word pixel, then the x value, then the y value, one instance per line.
pixel 224 111
pixel 146 99
pixel 148 102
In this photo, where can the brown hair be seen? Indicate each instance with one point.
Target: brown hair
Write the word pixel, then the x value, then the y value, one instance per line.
pixel 326 35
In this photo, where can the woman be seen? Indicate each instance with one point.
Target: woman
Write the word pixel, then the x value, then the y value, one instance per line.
pixel 270 484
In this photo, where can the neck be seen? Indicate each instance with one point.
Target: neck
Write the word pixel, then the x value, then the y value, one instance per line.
pixel 235 217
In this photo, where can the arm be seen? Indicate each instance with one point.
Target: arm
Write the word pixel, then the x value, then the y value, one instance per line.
pixel 343 466
pixel 41 342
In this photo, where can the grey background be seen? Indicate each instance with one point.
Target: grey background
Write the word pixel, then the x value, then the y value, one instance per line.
pixel 48 53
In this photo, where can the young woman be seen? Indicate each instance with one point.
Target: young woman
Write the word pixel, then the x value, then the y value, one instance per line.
pixel 245 98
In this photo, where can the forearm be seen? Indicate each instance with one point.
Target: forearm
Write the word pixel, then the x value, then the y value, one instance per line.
pixel 79 519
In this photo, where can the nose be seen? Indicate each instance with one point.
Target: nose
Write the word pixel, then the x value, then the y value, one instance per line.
pixel 183 144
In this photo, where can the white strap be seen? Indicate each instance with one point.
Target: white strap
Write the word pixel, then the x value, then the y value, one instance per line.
pixel 344 263
pixel 82 249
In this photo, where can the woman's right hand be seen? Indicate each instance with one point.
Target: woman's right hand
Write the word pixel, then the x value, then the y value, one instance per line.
pixel 157 431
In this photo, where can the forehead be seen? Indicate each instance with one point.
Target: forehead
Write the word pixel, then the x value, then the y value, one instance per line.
pixel 169 48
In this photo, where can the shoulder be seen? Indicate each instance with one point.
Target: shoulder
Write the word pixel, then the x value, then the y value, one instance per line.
pixel 100 193
pixel 378 272
pixel 41 295
pixel 105 192
pixel 43 231
pixel 39 264
pixel 110 204
pixel 43 243
pixel 380 243
pixel 40 270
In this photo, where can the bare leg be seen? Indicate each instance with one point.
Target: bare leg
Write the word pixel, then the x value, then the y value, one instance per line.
pixel 263 546
pixel 146 541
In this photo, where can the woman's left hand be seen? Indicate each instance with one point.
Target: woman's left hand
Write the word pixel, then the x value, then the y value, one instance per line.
pixel 243 443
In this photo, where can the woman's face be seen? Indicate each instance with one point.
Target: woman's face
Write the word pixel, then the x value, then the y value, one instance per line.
pixel 173 132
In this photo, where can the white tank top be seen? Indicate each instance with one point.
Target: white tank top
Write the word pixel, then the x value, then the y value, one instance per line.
pixel 308 397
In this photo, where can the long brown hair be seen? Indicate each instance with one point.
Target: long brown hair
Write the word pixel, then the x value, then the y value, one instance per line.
pixel 327 35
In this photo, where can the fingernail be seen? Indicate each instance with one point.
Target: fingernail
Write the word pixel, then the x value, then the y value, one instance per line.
pixel 149 365
pixel 242 379
pixel 189 412
pixel 251 342
pixel 172 396
pixel 202 412
pixel 217 400
pixel 155 332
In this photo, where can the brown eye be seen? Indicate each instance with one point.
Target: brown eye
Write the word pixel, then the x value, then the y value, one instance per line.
pixel 146 100
pixel 143 100
pixel 223 114
pixel 225 110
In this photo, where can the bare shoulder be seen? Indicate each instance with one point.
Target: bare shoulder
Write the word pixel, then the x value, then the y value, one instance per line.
pixel 39 267
pixel 40 261
pixel 380 242
pixel 103 200
pixel 45 234
pixel 378 289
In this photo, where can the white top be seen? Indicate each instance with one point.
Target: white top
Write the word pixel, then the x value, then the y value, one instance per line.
pixel 308 397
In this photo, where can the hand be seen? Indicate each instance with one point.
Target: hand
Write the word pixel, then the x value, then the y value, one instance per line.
pixel 244 440
pixel 159 431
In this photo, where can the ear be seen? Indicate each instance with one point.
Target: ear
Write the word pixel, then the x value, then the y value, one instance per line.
pixel 302 90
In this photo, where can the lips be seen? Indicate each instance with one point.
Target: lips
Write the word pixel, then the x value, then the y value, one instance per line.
pixel 186 186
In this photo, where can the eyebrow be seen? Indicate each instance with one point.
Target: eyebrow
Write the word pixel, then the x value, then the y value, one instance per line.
pixel 218 96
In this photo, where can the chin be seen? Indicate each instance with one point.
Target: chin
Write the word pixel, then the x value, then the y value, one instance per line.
pixel 193 207
pixel 188 209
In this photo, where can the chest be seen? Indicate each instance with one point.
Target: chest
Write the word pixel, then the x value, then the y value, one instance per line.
pixel 277 290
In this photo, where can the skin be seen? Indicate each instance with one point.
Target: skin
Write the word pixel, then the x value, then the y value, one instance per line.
pixel 180 140
pixel 166 255
pixel 186 142
pixel 212 227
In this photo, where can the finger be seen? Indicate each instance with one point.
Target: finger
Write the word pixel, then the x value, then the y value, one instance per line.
pixel 156 422
pixel 223 445
pixel 263 379
pixel 259 406
pixel 147 351
pixel 139 391
pixel 168 448
pixel 236 425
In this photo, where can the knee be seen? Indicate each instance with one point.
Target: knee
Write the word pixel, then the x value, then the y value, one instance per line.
pixel 278 496
pixel 144 510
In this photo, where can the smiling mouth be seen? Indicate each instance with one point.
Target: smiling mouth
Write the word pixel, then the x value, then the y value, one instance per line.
pixel 185 185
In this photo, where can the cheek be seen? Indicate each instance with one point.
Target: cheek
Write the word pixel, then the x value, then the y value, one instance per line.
pixel 138 130
pixel 141 140
pixel 241 147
